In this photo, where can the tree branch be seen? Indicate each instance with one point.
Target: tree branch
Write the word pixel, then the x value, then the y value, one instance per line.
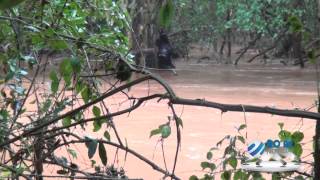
pixel 70 113
pixel 139 156
pixel 248 108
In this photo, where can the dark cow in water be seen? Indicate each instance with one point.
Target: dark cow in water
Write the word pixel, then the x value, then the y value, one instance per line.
pixel 164 51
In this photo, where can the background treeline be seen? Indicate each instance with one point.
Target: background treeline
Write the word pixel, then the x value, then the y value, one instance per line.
pixel 274 28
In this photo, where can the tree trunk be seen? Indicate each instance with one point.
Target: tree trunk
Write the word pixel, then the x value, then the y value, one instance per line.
pixel 316 153
pixel 229 33
pixel 318 11
pixel 222 45
pixel 38 159
pixel 213 8
pixel 145 29
pixel 318 22
pixel 297 47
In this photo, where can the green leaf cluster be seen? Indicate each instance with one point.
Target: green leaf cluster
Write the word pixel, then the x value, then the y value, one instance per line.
pixel 164 130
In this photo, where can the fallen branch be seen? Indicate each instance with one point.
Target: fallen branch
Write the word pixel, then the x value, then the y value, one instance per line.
pixel 250 44
pixel 270 48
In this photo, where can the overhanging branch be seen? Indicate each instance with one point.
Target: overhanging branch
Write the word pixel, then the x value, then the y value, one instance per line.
pixel 247 108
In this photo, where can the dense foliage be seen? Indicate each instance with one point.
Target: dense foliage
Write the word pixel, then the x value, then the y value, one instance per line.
pixel 34 37
pixel 258 24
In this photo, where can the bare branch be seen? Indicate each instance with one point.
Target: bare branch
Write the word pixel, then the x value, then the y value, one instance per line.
pixel 248 108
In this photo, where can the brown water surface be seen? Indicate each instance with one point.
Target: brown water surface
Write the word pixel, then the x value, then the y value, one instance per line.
pixel 277 86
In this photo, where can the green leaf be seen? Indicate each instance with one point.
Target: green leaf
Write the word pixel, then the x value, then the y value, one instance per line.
pixel 76 65
pixel 36 39
pixel 165 131
pixel 46 105
pixel 66 121
pixel 209 165
pixel 93 163
pixel 209 155
pixel 109 65
pixel 4 115
pixel 79 86
pixel 66 71
pixel 62 172
pixel 193 177
pixel 96 111
pixel 106 135
pixel 103 153
pixel 5 4
pixel 204 165
pixel 258 176
pixel 58 44
pixel 297 136
pixel 9 76
pixel 180 122
pixel 85 94
pixel 299 178
pixel 276 176
pixel 208 177
pixel 311 56
pixel 154 132
pixel 284 135
pixel 242 139
pixel 97 125
pixel 295 24
pixel 166 14
pixel 281 125
pixel 212 166
pixel 226 175
pixel 73 153
pixel 233 162
pixel 242 126
pixel 5 173
pixel 19 170
pixel 54 81
pixel 297 149
pixel 91 145
pixel 239 175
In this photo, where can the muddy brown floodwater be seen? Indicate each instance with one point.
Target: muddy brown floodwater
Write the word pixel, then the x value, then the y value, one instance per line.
pixel 277 86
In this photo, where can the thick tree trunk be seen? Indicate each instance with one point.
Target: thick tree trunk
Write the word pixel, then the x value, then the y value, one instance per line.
pixel 316 154
pixel 145 29
pixel 316 15
pixel 297 47
pixel 318 11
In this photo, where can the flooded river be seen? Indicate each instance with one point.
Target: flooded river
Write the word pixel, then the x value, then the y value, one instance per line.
pixel 276 86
